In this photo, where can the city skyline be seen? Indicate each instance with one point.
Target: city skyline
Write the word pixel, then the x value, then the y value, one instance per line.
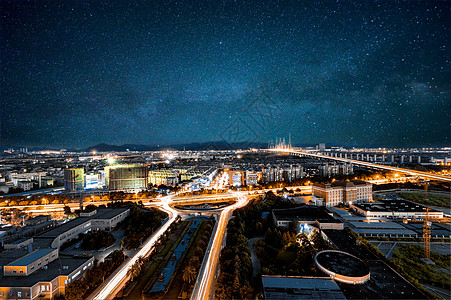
pixel 76 74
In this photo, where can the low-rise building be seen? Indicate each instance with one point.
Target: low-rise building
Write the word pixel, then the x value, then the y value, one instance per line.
pixel 342 192
pixel 395 209
pixel 307 214
pixel 31 262
pixel 47 282
pixel 19 243
pixel 300 287
pixel 100 219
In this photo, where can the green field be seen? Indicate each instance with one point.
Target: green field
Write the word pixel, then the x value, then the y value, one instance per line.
pixel 433 200
pixel 408 259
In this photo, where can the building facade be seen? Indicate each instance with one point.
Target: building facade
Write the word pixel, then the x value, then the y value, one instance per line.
pixel 342 192
pixel 127 177
pixel 74 180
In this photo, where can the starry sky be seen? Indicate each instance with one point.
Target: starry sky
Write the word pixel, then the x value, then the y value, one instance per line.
pixel 353 73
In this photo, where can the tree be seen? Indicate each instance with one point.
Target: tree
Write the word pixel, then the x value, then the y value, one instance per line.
pixel 134 270
pixel 67 210
pixel 189 274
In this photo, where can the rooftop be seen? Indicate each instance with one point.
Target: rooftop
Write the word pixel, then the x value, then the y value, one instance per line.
pixel 342 263
pixel 305 213
pixel 294 287
pixel 102 213
pixel 393 205
pixel 54 269
pixel 29 258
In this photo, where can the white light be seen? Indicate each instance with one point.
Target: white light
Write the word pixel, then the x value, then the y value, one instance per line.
pixel 111 160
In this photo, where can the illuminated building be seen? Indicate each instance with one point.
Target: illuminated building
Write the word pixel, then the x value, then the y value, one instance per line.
pixel 286 173
pixel 251 178
pixel 126 177
pixel 329 170
pixel 163 176
pixel 93 181
pixel 272 174
pixel 342 192
pixel 74 179
pixel 293 172
pixel 236 178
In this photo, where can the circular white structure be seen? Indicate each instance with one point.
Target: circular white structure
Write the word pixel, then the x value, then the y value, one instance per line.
pixel 342 266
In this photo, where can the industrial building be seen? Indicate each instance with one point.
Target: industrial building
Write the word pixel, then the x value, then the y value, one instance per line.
pixel 300 287
pixel 395 209
pixel 342 192
pixel 307 214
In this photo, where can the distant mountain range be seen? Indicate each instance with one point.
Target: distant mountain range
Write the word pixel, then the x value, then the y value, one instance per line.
pixel 220 145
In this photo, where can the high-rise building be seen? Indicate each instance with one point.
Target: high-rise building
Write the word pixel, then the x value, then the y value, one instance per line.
pixel 329 170
pixel 74 179
pixel 293 172
pixel 126 177
pixel 271 174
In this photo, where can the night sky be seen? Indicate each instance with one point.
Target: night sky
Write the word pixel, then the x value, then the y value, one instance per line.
pixel 362 73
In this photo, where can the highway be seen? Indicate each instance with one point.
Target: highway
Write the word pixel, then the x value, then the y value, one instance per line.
pixel 36 192
pixel 205 279
pixel 116 281
pixel 367 164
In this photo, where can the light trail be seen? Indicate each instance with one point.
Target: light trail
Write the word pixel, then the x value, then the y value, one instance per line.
pixel 208 269
pixel 367 164
pixel 109 288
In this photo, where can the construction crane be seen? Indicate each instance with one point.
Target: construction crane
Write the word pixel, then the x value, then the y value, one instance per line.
pixel 427 230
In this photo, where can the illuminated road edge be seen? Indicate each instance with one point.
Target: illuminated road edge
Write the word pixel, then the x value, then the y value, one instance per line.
pixel 108 289
pixel 207 272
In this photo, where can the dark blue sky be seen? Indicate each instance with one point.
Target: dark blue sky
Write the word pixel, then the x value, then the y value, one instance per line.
pixel 356 73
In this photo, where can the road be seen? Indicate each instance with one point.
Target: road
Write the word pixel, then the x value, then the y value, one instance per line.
pixel 205 279
pixel 36 192
pixel 256 267
pixel 367 164
pixel 116 281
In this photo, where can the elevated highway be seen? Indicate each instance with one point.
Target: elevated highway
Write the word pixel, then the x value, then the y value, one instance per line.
pixel 365 164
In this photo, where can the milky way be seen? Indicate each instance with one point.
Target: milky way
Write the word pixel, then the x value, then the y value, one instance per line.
pixel 363 73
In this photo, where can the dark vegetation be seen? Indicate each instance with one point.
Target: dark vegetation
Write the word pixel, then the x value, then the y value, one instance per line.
pixel 140 225
pixel 95 240
pixel 408 257
pixel 235 279
pixel 442 201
